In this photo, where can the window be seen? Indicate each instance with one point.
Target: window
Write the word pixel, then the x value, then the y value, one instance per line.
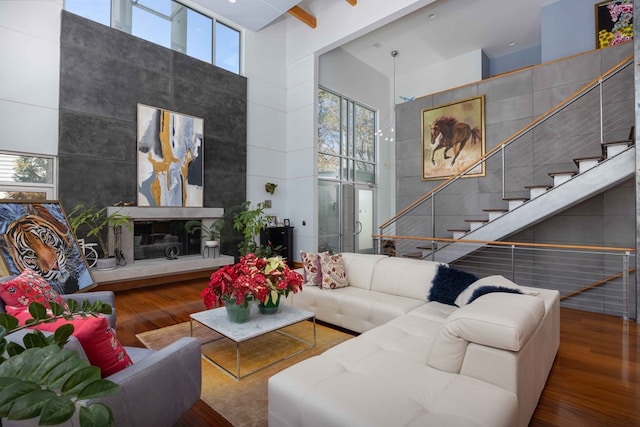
pixel 26 177
pixel 170 24
pixel 346 139
pixel 346 174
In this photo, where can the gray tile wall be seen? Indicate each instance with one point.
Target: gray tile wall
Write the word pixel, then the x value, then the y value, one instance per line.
pixel 104 74
pixel 512 101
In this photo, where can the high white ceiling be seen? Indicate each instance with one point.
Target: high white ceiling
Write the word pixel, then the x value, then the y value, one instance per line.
pixel 459 27
pixel 251 14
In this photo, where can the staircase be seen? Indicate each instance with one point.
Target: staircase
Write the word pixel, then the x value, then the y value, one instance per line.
pixel 594 175
pixel 424 220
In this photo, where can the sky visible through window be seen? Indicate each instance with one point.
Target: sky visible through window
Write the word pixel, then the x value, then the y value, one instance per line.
pixel 151 21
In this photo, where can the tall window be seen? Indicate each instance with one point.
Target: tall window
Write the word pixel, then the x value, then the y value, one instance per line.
pixel 346 139
pixel 26 177
pixel 170 24
pixel 346 173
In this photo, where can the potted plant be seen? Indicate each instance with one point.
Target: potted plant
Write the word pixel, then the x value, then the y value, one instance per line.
pixel 97 223
pixel 250 222
pixel 210 235
pixel 55 386
pixel 279 280
pixel 263 279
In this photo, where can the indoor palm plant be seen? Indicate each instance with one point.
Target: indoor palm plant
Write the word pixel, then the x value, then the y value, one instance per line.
pixel 43 380
pixel 208 234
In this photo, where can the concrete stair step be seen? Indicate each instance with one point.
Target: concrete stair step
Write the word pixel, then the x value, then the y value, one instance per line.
pixel 515 202
pixel 474 224
pixel 495 213
pixel 458 233
pixel 561 177
pixel 537 190
pixel 586 163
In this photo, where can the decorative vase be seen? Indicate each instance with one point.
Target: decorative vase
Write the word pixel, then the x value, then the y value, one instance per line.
pixel 269 306
pixel 106 263
pixel 237 313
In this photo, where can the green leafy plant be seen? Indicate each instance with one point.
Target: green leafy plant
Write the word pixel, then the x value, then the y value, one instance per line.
pixel 42 379
pixel 95 222
pixel 250 222
pixel 208 233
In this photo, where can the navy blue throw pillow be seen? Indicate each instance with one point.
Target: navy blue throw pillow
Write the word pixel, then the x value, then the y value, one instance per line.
pixel 448 284
pixel 483 290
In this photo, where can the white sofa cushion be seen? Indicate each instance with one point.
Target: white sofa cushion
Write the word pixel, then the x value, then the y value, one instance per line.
pixel 359 268
pixel 404 276
pixel 501 320
pixel 381 379
pixel 351 307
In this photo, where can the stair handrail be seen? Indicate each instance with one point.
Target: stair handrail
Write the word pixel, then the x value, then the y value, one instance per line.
pixel 534 123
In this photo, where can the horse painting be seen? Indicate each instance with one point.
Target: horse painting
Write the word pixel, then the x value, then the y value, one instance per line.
pixel 447 133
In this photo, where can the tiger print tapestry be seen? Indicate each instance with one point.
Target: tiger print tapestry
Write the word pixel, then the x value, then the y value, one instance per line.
pixel 36 235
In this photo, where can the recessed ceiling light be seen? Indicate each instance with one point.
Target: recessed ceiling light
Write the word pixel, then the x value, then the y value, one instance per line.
pixel 433 15
pixel 232 1
pixel 512 43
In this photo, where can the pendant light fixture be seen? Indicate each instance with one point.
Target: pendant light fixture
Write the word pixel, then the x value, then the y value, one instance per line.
pixel 391 133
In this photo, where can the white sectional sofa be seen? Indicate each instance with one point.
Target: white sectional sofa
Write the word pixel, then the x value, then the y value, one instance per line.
pixel 419 362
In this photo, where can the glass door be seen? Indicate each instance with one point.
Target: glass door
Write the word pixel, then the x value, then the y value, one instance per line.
pixel 363 219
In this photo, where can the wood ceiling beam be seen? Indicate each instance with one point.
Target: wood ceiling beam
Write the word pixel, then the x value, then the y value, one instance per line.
pixel 352 2
pixel 303 15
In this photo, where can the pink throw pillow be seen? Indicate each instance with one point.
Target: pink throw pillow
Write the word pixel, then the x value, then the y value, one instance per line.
pixel 97 338
pixel 26 288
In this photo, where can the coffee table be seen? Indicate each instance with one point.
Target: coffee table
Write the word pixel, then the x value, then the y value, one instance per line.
pixel 258 325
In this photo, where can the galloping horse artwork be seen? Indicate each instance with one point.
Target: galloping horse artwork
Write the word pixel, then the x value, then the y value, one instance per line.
pixel 448 133
pixel 453 139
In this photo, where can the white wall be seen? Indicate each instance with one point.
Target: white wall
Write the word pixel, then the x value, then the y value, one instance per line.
pixel 267 116
pixel 338 22
pixel 29 75
pixel 461 70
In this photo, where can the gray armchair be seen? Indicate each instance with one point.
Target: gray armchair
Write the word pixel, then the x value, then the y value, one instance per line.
pixel 155 391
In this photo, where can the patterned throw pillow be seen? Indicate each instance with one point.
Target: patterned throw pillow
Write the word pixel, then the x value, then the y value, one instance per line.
pixel 333 272
pixel 97 338
pixel 28 287
pixel 311 267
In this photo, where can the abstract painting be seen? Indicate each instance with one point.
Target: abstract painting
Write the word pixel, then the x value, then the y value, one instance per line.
pixel 453 139
pixel 170 167
pixel 36 235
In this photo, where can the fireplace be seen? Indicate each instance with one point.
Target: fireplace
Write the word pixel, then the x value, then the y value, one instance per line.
pixel 159 232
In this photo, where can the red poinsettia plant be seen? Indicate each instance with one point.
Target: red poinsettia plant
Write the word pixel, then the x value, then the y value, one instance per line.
pixel 252 277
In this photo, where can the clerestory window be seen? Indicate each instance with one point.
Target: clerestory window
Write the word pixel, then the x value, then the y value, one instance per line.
pixel 170 24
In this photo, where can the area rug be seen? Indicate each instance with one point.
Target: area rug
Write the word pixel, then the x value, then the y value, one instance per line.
pixel 244 402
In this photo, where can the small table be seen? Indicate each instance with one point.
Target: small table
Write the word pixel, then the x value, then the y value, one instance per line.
pixel 259 324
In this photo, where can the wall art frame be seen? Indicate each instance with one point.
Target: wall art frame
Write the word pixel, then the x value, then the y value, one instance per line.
pixel 37 235
pixel 614 22
pixel 453 139
pixel 170 148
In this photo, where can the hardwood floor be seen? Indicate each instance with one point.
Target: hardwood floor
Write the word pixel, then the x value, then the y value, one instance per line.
pixel 595 380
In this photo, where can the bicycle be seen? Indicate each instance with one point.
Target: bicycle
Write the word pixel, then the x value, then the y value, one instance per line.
pixel 90 254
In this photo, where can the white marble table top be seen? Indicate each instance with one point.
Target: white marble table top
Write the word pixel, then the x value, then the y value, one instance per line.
pixel 258 324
